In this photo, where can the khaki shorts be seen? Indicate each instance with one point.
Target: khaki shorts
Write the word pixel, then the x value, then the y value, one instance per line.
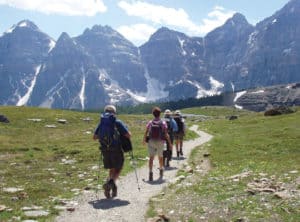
pixel 156 147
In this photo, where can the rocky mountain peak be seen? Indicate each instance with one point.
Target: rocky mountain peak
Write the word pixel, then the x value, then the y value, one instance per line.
pixel 28 24
pixel 239 19
pixel 237 22
pixel 65 44
pixel 101 31
pixel 292 6
pixel 165 33
pixel 64 37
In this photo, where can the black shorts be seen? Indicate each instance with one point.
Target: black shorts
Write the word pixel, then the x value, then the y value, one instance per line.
pixel 113 159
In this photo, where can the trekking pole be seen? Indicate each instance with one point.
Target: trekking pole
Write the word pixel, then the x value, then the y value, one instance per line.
pixel 134 166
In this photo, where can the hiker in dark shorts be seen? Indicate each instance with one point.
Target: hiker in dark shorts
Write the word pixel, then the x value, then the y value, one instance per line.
pixel 155 135
pixel 172 128
pixel 108 133
pixel 179 135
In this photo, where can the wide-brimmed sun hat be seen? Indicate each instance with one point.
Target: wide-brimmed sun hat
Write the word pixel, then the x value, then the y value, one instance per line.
pixel 110 108
pixel 177 112
pixel 168 112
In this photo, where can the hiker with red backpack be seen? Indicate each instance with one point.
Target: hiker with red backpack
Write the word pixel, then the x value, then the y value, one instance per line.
pixel 179 135
pixel 109 132
pixel 172 128
pixel 155 135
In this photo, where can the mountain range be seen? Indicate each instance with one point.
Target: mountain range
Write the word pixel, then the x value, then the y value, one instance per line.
pixel 100 66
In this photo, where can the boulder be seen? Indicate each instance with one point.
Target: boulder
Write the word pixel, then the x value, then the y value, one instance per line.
pixel 3 119
pixel 278 111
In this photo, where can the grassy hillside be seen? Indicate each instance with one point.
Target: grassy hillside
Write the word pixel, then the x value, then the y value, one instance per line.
pixel 53 164
pixel 254 175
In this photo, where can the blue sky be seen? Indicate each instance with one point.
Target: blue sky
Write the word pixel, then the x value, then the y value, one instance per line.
pixel 134 19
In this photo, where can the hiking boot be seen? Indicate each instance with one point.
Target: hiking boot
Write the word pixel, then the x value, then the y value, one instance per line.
pixel 114 190
pixel 167 164
pixel 177 154
pixel 151 176
pixel 161 173
pixel 181 153
pixel 106 188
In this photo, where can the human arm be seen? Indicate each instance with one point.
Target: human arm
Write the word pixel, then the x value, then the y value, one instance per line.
pixel 166 135
pixel 123 130
pixel 174 125
pixel 95 136
pixel 145 136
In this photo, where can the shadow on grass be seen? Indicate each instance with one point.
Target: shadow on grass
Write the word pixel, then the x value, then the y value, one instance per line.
pixel 106 204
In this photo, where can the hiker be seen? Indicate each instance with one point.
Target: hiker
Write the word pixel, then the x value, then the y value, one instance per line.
pixel 155 135
pixel 180 132
pixel 172 128
pixel 108 133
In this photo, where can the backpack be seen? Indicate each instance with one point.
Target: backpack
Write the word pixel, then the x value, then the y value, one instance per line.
pixel 179 124
pixel 170 129
pixel 126 144
pixel 108 133
pixel 156 130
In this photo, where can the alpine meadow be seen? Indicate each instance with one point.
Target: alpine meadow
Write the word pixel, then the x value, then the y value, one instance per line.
pixel 253 171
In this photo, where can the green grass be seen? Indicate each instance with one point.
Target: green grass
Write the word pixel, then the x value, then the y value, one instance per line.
pixel 31 156
pixel 266 147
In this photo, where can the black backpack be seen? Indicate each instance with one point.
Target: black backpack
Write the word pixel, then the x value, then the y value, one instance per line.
pixel 126 144
pixel 180 123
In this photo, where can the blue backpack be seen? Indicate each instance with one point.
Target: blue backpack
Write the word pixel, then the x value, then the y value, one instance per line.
pixel 108 133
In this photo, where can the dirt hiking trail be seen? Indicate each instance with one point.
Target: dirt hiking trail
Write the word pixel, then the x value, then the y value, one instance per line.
pixel 131 204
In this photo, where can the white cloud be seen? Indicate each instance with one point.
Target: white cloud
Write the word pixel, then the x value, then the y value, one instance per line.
pixel 137 33
pixel 177 18
pixel 216 18
pixel 61 7
pixel 158 14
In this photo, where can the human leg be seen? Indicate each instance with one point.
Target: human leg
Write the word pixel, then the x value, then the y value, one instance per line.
pixel 115 161
pixel 151 158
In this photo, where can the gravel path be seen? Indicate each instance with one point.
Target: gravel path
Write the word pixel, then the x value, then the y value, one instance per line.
pixel 130 204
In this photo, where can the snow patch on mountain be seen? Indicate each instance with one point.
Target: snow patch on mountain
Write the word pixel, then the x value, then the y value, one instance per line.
pixel 215 85
pixel 82 93
pixel 137 97
pixel 47 103
pixel 232 86
pixel 52 44
pixel 23 100
pixel 155 89
pixel 258 92
pixel 237 96
pixel 114 91
pixel 23 24
pixel 181 42
pixel 215 88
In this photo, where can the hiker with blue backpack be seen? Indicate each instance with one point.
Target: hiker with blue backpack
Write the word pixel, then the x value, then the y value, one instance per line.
pixel 155 135
pixel 110 132
pixel 172 128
